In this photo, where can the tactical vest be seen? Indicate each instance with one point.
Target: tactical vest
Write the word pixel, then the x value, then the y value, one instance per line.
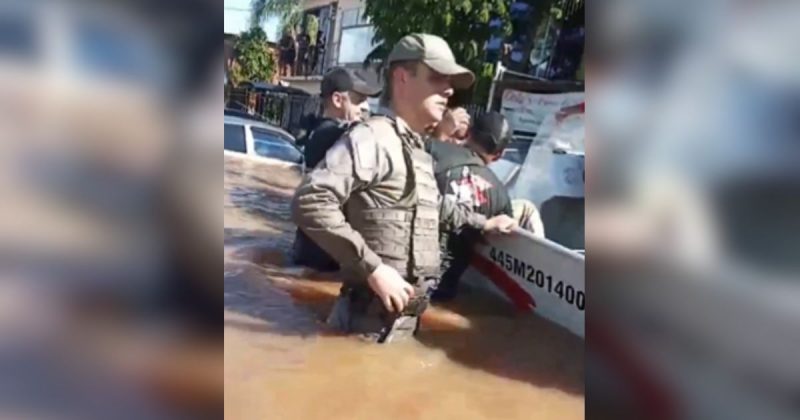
pixel 406 235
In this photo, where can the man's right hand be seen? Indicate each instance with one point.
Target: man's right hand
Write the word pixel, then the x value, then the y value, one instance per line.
pixel 455 123
pixel 500 224
pixel 390 287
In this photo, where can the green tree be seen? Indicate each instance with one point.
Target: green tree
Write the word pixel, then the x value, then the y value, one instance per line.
pixel 254 61
pixel 312 27
pixel 290 12
pixel 463 23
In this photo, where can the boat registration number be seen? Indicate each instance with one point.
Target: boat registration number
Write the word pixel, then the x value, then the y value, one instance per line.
pixel 542 280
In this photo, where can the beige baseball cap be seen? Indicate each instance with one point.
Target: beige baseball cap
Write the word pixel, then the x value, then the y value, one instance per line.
pixel 433 51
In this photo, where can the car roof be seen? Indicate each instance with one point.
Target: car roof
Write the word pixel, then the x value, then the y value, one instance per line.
pixel 242 114
pixel 269 87
pixel 255 123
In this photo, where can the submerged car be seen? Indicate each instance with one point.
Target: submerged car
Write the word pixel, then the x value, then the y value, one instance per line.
pixel 257 140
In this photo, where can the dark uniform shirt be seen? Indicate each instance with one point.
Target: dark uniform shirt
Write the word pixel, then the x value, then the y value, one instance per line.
pixel 323 134
pixel 321 138
pixel 462 174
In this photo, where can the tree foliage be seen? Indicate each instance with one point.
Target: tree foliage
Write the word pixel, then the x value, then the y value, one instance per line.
pixel 254 61
pixel 463 23
pixel 289 12
pixel 312 27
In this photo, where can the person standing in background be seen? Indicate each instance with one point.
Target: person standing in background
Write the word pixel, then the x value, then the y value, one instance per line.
pixel 303 44
pixel 287 53
pixel 319 58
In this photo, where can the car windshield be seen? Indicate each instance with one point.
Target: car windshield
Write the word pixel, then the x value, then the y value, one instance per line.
pixel 273 145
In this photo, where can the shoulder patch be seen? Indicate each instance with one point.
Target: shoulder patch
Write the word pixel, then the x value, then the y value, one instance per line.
pixel 365 149
pixel 384 132
pixel 381 125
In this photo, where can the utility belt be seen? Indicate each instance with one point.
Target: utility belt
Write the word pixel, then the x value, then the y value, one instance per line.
pixel 359 311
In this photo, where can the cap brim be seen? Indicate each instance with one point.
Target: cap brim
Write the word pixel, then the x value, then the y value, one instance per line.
pixel 460 77
pixel 366 90
pixel 366 83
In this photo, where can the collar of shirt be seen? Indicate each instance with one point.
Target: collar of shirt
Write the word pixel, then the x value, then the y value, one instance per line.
pixel 402 127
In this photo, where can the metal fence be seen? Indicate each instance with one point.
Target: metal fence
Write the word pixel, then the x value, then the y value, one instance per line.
pixel 288 111
pixel 279 109
pixel 317 62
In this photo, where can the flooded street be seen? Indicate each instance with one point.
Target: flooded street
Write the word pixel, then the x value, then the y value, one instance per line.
pixel 473 359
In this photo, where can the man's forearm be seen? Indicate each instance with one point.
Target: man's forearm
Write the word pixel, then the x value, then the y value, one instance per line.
pixel 454 216
pixel 346 246
pixel 320 218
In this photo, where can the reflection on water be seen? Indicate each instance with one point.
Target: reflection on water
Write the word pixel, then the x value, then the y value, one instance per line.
pixel 474 358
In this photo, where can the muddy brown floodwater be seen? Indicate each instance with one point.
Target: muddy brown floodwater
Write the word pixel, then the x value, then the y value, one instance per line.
pixel 473 359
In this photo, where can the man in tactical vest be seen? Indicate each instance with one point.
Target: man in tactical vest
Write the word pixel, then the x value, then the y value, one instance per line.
pixel 343 93
pixel 373 203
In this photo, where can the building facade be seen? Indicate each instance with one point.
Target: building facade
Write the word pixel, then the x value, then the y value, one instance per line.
pixel 546 41
pixel 542 44
pixel 344 38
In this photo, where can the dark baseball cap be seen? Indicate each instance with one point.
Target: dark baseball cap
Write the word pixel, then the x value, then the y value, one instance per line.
pixel 492 132
pixel 340 79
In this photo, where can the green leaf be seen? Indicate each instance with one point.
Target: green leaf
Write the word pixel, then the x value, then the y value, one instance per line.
pixel 253 58
pixel 448 19
pixel 462 23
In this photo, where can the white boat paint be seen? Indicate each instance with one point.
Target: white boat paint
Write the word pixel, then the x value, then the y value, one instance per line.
pixel 535 275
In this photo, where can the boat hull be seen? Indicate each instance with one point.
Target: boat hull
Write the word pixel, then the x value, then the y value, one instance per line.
pixel 535 275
